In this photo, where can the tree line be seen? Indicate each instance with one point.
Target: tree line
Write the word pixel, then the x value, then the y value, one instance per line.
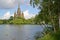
pixel 19 21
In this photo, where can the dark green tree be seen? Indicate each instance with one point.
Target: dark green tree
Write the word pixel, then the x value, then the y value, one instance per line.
pixel 50 11
pixel 11 18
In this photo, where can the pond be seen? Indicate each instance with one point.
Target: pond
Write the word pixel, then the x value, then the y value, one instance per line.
pixel 19 32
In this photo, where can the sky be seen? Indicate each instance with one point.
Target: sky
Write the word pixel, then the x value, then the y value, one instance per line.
pixel 8 7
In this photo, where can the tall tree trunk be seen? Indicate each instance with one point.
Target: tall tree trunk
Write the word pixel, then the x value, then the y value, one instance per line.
pixel 59 20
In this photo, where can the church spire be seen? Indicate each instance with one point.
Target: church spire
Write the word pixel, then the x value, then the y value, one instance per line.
pixel 18 11
pixel 18 14
pixel 18 5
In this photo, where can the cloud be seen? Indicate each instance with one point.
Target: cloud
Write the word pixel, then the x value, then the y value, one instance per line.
pixel 7 15
pixel 5 4
pixel 28 15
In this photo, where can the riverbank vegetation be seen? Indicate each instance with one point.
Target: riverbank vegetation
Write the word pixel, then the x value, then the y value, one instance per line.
pixel 16 21
pixel 51 35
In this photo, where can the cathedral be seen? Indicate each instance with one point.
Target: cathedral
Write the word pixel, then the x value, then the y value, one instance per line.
pixel 18 14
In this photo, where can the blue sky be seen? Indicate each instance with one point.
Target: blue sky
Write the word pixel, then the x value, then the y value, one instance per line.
pixel 7 9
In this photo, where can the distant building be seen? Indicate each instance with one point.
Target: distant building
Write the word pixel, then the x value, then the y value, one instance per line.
pixel 18 14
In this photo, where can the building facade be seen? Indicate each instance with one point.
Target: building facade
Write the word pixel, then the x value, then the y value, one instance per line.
pixel 18 14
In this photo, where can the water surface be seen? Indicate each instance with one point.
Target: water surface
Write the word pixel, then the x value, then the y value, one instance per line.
pixel 19 32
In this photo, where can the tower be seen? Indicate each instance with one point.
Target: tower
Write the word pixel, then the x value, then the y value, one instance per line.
pixel 18 14
pixel 22 15
pixel 15 15
pixel 18 11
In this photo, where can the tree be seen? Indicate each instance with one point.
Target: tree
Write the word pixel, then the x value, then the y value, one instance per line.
pixel 11 18
pixel 49 11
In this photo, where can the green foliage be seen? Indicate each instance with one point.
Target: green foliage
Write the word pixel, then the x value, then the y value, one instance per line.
pixel 22 21
pixel 47 37
pixel 49 12
pixel 51 36
pixel 1 21
pixel 18 20
pixel 11 18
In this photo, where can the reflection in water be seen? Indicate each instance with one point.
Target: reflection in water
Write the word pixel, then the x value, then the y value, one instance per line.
pixel 18 32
